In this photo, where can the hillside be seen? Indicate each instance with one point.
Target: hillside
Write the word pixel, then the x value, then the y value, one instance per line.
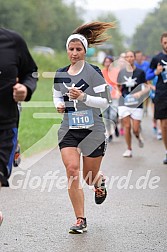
pixel 128 19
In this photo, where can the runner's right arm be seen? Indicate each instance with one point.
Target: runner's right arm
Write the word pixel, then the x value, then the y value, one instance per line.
pixel 154 70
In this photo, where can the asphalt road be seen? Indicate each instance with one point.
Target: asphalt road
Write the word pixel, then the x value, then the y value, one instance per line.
pixel 133 219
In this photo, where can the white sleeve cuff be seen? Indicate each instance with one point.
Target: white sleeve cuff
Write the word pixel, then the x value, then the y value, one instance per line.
pixel 57 98
pixel 100 88
pixel 96 102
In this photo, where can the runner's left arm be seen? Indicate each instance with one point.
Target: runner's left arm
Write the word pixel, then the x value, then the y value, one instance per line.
pixel 150 74
pixel 27 69
pixel 102 97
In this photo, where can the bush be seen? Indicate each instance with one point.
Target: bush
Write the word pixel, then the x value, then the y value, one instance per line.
pixel 50 63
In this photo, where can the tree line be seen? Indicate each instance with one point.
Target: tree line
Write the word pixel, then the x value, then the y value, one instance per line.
pixel 46 23
pixel 147 35
pixel 49 22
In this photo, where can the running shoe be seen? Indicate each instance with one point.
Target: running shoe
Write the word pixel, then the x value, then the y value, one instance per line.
pixel 1 218
pixel 3 181
pixel 141 142
pixel 109 139
pixel 116 132
pixel 79 227
pixel 165 160
pixel 159 136
pixel 155 130
pixel 127 154
pixel 100 192
pixel 121 132
pixel 17 156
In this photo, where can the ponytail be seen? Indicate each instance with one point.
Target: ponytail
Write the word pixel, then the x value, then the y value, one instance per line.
pixel 93 32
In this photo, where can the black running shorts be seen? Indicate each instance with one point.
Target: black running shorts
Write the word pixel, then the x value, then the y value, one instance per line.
pixel 90 143
pixel 160 109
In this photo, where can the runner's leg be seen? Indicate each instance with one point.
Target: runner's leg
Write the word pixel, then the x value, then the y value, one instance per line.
pixel 91 166
pixel 71 160
pixel 127 127
pixel 164 131
pixel 136 127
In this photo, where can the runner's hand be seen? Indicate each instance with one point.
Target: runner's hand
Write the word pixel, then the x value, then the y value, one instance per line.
pixel 61 108
pixel 159 69
pixel 19 92
pixel 74 93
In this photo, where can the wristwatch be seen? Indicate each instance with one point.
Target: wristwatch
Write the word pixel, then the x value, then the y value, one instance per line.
pixel 84 97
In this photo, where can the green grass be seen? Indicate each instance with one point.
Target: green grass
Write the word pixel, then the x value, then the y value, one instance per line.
pixel 32 130
pixel 49 62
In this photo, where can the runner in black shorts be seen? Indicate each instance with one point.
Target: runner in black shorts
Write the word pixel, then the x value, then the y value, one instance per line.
pixel 80 91
pixel 158 67
pixel 75 137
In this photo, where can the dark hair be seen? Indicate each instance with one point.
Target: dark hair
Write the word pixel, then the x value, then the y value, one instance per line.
pixel 93 31
pixel 108 57
pixel 137 51
pixel 164 35
pixel 129 51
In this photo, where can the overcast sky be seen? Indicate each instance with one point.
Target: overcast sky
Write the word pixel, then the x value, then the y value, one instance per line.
pixel 117 4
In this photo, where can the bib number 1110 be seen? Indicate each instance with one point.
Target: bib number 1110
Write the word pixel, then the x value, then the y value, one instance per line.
pixel 82 119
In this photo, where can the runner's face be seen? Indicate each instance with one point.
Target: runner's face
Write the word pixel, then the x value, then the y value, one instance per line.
pixel 76 52
pixel 164 44
pixel 107 63
pixel 139 57
pixel 130 58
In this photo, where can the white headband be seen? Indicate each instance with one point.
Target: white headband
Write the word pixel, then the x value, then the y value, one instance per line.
pixel 80 37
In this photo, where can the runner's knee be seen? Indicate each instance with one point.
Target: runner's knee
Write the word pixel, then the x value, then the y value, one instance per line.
pixel 72 170
pixel 127 126
pixel 164 125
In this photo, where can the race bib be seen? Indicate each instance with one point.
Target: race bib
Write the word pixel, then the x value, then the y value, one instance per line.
pixel 80 119
pixel 164 76
pixel 130 100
